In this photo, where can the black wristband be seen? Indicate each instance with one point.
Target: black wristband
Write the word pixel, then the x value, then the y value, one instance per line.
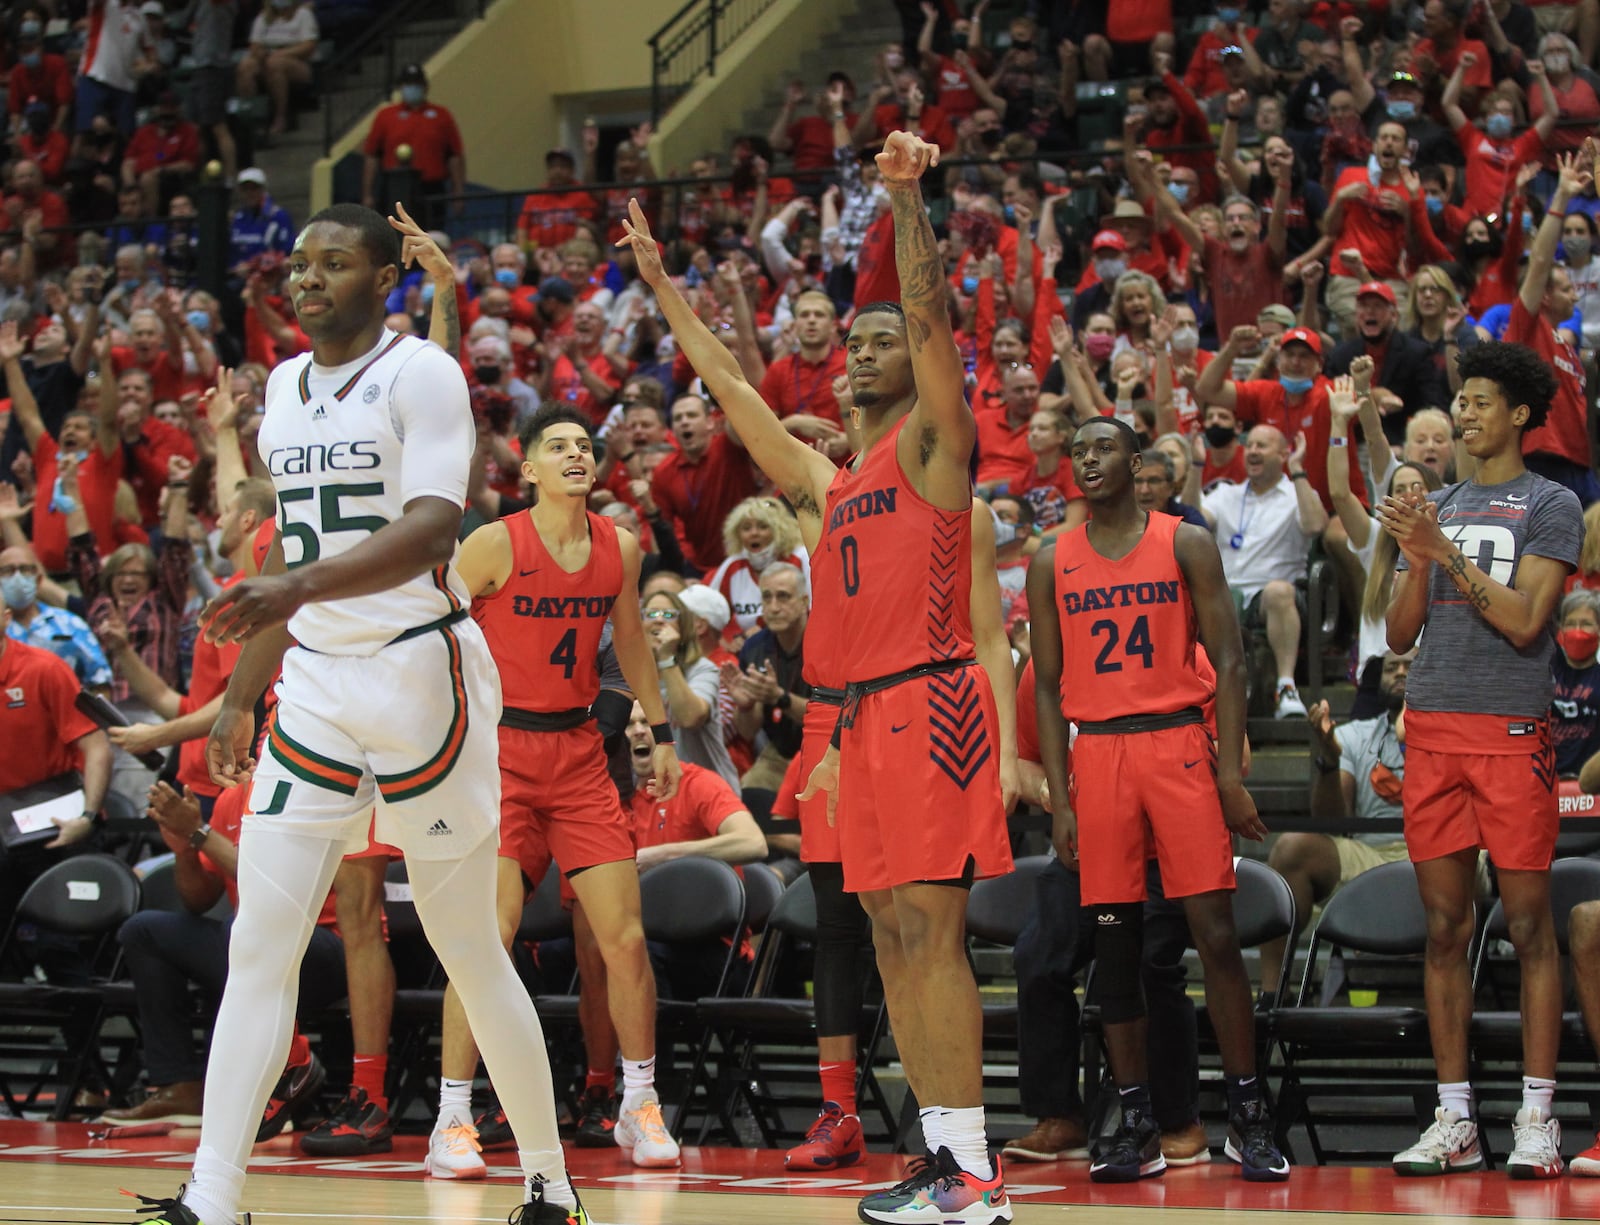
pixel 662 732
pixel 785 700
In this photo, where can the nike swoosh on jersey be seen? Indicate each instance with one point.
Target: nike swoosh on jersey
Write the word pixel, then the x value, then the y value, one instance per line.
pixel 901 728
pixel 1070 569
pixel 526 573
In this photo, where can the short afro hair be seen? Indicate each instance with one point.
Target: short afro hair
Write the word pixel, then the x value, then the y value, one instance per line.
pixel 378 237
pixel 884 307
pixel 1520 373
pixel 1130 440
pixel 542 420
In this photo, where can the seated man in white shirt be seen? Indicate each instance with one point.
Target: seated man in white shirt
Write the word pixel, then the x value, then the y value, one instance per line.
pixel 1265 525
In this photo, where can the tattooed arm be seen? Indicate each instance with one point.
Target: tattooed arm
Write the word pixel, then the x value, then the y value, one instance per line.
pixel 938 438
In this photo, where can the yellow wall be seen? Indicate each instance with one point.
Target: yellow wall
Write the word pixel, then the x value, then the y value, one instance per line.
pixel 765 53
pixel 505 76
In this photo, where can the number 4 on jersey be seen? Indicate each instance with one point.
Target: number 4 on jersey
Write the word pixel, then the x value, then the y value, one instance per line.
pixel 565 656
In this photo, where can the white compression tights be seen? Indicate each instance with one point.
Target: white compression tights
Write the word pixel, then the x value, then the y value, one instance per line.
pixel 283 879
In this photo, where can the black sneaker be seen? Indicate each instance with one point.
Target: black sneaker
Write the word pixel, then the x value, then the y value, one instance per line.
pixel 493 1130
pixel 1251 1144
pixel 1130 1153
pixel 167 1211
pixel 359 1127
pixel 598 1124
pixel 537 1211
pixel 293 1092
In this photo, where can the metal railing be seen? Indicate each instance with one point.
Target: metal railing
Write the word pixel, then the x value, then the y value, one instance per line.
pixel 686 47
pixel 348 93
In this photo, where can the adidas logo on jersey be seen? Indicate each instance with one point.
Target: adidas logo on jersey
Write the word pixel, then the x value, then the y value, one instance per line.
pixel 320 414
pixel 437 829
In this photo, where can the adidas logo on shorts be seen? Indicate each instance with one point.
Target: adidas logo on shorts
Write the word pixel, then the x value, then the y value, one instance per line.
pixel 320 414
pixel 438 828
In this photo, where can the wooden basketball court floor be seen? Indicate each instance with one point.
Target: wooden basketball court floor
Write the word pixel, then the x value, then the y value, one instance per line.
pixel 56 1173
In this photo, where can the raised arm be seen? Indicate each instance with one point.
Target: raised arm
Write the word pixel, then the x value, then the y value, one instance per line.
pixel 730 289
pixel 1450 100
pixel 23 406
pixel 802 474
pixel 1228 148
pixel 941 408
pixel 419 250
pixel 83 342
pixel 1355 71
pixel 1214 386
pixel 1342 409
pixel 1573 176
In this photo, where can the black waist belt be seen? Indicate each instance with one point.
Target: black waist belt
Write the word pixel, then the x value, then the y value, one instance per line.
pixel 856 690
pixel 444 622
pixel 828 697
pixel 545 720
pixel 1127 725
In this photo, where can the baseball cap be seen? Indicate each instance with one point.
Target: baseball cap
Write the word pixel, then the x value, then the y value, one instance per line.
pixel 707 603
pixel 1155 86
pixel 412 74
pixel 252 174
pixel 1108 238
pixel 152 8
pixel 1377 287
pixel 1277 313
pixel 560 155
pixel 558 289
pixel 1306 337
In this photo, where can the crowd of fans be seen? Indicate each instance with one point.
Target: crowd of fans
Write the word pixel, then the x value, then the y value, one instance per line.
pixel 1191 222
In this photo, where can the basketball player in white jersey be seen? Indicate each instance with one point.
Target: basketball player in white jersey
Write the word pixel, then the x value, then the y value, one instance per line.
pixel 388 694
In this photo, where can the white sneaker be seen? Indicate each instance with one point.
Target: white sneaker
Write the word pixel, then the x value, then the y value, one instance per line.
pixel 454 1152
pixel 1536 1147
pixel 642 1132
pixel 1450 1146
pixel 1289 704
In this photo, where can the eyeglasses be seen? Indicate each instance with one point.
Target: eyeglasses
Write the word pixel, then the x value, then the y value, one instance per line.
pixel 660 614
pixel 132 574
pixel 8 571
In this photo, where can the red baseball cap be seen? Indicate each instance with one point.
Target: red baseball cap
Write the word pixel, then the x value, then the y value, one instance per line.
pixel 1380 288
pixel 1109 238
pixel 1306 337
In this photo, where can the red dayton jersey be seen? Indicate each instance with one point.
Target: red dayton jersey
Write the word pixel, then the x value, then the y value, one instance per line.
pixel 1128 632
pixel 544 624
pixel 903 566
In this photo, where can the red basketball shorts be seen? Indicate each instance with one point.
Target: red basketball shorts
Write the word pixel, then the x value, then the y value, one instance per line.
pixel 919 784
pixel 557 801
pixel 1143 787
pixel 819 841
pixel 1480 781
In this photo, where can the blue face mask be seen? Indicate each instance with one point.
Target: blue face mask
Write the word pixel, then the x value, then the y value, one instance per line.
pixel 1010 212
pixel 969 284
pixel 199 320
pixel 1498 125
pixel 30 29
pixel 1435 206
pixel 1227 16
pixel 412 95
pixel 1295 387
pixel 131 286
pixel 1402 111
pixel 1180 192
pixel 507 277
pixel 32 59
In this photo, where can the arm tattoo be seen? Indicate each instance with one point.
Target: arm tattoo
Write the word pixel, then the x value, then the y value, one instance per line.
pixel 1456 566
pixel 447 319
pixel 1477 594
pixel 921 269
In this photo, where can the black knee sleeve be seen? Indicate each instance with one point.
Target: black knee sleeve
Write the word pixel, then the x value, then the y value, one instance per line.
pixel 1118 954
pixel 842 933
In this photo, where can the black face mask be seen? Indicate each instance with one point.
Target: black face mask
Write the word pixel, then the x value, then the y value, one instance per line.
pixel 487 375
pixel 1219 436
pixel 990 138
pixel 1473 248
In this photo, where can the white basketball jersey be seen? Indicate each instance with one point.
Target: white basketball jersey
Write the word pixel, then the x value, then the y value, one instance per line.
pixel 347 447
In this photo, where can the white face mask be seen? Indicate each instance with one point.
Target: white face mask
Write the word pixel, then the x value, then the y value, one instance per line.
pixel 760 559
pixel 1557 62
pixel 1110 269
pixel 1185 339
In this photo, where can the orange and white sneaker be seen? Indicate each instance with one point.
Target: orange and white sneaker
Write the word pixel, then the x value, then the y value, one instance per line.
pixel 1536 1148
pixel 641 1132
pixel 951 1196
pixel 1587 1163
pixel 454 1152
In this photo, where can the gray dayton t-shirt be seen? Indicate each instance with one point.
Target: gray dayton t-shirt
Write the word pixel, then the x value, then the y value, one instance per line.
pixel 1465 665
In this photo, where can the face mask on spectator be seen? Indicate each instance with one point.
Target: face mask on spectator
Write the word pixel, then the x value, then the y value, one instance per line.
pixel 199 320
pixel 1294 387
pixel 1227 16
pixel 969 285
pixel 1180 192
pixel 1374 170
pixel 30 29
pixel 131 285
pixel 1557 62
pixel 1475 247
pixel 1435 205
pixel 32 59
pixel 1577 249
pixel 1098 345
pixel 1185 339
pixel 1110 269
pixel 19 591
pixel 989 138
pixel 1579 644
pixel 1219 436
pixel 39 124
pixel 412 95
pixel 1401 109
pixel 1498 125
pixel 1010 212
pixel 487 374
pixel 508 277
pixel 760 559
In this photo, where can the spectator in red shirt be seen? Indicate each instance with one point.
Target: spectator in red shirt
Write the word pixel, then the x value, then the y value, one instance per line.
pixel 584 367
pixel 39 75
pixel 1005 453
pixel 952 78
pixel 1204 76
pixel 437 154
pixel 1367 218
pixel 37 140
pixel 1559 449
pixel 904 107
pixel 698 486
pixel 1047 487
pixel 28 199
pixel 808 140
pixel 1175 118
pixel 1575 96
pixel 1493 154
pixel 802 382
pixel 553 215
pixel 1442 51
pixel 162 156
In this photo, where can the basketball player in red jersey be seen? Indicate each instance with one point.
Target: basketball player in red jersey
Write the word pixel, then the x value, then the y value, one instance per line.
pixel 1116 605
pixel 912 475
pixel 543 584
